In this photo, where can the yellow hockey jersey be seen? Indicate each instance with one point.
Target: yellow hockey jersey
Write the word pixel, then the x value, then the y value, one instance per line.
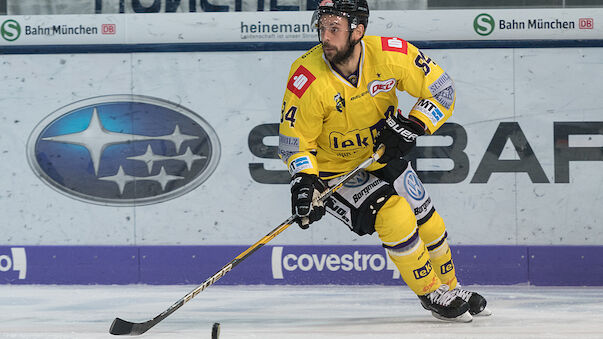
pixel 328 125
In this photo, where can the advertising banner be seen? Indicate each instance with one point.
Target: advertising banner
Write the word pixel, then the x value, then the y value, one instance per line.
pixel 62 29
pixel 289 265
pixel 180 148
pixel 283 27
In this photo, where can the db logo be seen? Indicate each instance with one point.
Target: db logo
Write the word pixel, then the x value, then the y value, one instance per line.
pixel 108 28
pixel 586 23
pixel 17 261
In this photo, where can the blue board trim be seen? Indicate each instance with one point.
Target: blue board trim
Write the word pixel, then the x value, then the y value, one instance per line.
pixel 281 46
pixel 291 265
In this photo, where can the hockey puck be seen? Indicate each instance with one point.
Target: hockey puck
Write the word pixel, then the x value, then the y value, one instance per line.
pixel 215 331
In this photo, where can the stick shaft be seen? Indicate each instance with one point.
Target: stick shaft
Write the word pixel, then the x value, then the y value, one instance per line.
pixel 120 326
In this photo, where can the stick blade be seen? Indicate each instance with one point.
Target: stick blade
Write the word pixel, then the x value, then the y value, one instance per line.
pixel 121 327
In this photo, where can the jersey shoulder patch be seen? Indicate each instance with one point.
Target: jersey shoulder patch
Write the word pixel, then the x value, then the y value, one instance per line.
pixel 394 44
pixel 299 82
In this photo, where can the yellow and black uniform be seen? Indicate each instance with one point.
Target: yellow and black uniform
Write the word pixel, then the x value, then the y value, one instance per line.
pixel 329 125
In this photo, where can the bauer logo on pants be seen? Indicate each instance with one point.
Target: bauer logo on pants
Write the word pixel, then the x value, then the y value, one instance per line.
pixel 123 150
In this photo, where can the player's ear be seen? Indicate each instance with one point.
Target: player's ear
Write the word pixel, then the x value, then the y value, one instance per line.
pixel 358 32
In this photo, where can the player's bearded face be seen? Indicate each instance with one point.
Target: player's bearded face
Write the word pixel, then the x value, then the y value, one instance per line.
pixel 335 38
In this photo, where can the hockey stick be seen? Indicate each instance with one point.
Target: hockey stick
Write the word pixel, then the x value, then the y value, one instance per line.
pixel 123 327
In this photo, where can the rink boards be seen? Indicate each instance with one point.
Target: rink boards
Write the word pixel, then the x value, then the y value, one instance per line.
pixel 291 265
pixel 188 166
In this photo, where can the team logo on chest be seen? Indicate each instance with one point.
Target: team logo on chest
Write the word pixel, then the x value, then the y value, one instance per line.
pixel 339 102
pixel 377 86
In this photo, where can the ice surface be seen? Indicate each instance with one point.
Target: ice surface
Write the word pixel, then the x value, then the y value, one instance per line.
pixel 52 312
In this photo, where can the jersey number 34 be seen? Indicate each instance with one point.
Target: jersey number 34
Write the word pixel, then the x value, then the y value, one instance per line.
pixel 290 115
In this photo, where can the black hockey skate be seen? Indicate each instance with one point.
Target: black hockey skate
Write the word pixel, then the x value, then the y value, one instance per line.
pixel 477 303
pixel 446 305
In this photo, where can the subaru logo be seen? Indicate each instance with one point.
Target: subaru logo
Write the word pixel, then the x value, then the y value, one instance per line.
pixel 123 150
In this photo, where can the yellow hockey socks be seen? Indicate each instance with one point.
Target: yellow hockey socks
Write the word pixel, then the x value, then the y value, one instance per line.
pixel 433 233
pixel 396 226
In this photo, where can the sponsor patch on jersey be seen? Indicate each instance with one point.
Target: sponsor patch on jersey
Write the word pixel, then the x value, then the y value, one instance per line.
pixel 378 86
pixel 353 140
pixel 445 97
pixel 287 146
pixel 430 110
pixel 394 45
pixel 443 90
pixel 300 164
pixel 300 81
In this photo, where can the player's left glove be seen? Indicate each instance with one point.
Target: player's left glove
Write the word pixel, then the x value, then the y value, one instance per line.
pixel 399 136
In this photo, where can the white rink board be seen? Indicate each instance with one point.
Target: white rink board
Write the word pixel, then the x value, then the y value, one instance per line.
pixel 235 92
pixel 287 26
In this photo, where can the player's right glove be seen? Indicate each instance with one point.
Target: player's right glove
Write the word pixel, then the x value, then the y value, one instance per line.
pixel 304 189
pixel 399 136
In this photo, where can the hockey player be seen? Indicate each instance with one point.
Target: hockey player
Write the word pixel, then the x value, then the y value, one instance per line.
pixel 340 103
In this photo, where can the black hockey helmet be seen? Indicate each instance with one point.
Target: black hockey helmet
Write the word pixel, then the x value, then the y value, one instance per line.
pixel 356 11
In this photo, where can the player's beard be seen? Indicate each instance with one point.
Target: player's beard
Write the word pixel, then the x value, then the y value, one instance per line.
pixel 342 56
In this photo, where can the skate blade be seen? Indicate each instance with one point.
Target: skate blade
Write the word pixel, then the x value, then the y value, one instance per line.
pixel 484 313
pixel 463 318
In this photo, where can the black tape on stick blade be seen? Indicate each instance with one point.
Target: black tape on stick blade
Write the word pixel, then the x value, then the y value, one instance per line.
pixel 215 331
